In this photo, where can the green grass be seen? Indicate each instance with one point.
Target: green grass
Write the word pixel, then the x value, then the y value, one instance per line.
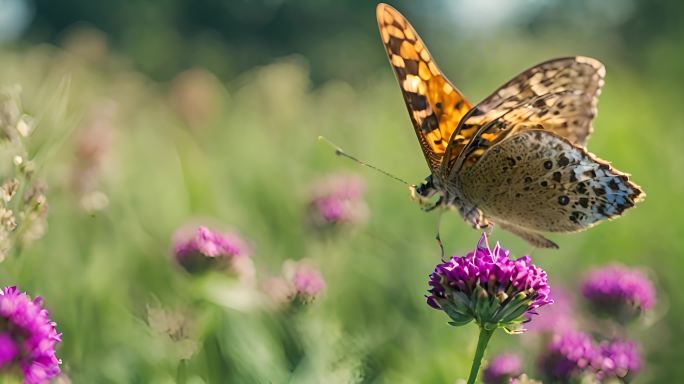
pixel 246 165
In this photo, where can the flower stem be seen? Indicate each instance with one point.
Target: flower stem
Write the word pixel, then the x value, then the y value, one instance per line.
pixel 482 341
pixel 181 372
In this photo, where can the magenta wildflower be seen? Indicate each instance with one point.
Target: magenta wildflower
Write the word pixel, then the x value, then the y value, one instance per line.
pixel 523 379
pixel 557 318
pixel 28 337
pixel 569 356
pixel 209 249
pixel 489 287
pixel 336 200
pixel 308 281
pixel 502 368
pixel 618 359
pixel 8 349
pixel 301 283
pixel 619 292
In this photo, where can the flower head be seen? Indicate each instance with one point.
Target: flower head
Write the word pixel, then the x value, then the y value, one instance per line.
pixel 619 292
pixel 489 287
pixel 619 359
pixel 209 249
pixel 337 200
pixel 557 318
pixel 523 379
pixel 568 356
pixel 502 368
pixel 301 283
pixel 27 337
pixel 308 281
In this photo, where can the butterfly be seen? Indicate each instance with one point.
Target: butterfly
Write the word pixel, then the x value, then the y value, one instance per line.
pixel 517 159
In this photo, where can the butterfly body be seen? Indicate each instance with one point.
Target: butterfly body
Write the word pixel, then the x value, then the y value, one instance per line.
pixel 517 159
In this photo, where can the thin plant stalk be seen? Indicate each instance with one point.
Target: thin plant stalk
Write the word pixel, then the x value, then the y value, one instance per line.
pixel 482 342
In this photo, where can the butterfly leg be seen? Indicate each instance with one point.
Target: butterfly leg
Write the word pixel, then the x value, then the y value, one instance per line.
pixel 433 206
pixel 474 217
pixel 438 238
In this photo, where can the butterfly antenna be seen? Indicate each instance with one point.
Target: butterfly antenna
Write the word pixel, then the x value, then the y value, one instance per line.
pixel 340 152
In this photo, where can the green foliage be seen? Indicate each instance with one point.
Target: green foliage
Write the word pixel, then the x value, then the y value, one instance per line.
pixel 241 155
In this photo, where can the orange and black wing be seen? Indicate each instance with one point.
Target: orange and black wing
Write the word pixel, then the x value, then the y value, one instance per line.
pixel 434 104
pixel 559 96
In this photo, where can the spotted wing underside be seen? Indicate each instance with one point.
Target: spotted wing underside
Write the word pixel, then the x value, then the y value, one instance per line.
pixel 558 96
pixel 434 104
pixel 540 182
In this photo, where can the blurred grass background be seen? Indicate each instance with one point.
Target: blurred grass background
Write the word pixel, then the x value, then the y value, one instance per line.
pixel 207 110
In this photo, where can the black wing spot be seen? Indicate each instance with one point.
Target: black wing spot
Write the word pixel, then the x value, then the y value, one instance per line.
pixel 429 124
pixel 584 202
pixel 395 45
pixel 548 164
pixel 417 102
pixel 614 185
pixel 411 66
pixel 581 188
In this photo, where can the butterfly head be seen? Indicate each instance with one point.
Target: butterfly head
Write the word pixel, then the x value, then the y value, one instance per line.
pixel 423 192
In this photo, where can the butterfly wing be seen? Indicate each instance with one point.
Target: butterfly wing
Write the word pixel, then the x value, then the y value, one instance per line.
pixel 559 96
pixel 434 104
pixel 538 181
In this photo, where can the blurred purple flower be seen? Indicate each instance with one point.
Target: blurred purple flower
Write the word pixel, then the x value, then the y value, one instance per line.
pixel 28 337
pixel 502 368
pixel 337 199
pixel 523 379
pixel 308 281
pixel 489 287
pixel 618 359
pixel 209 249
pixel 568 356
pixel 301 283
pixel 618 291
pixel 557 318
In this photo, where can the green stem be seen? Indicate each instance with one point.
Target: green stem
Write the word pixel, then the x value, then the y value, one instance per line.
pixel 482 341
pixel 181 372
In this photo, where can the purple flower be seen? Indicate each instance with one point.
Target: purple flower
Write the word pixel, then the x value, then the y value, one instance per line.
pixel 308 281
pixel 301 283
pixel 569 355
pixel 489 287
pixel 8 349
pixel 209 249
pixel 502 368
pixel 27 337
pixel 618 359
pixel 619 292
pixel 337 199
pixel 556 318
pixel 523 379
